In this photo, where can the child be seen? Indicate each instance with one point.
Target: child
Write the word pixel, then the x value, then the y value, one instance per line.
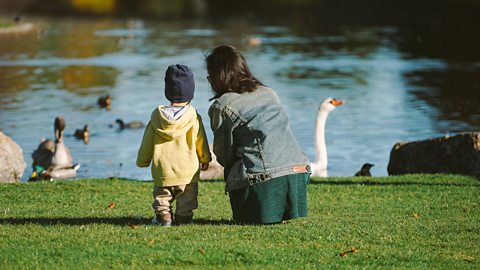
pixel 176 143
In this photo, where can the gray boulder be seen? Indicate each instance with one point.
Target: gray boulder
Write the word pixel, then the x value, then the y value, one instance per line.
pixel 459 154
pixel 12 163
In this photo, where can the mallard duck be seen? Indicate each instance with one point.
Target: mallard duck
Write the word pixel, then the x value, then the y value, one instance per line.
pixel 319 166
pixel 52 159
pixel 132 125
pixel 365 170
pixel 83 134
pixel 105 101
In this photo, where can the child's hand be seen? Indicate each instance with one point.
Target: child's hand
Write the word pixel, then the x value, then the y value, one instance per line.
pixel 203 166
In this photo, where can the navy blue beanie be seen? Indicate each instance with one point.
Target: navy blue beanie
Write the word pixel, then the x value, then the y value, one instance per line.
pixel 179 83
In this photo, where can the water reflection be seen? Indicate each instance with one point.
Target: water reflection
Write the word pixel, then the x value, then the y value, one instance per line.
pixel 393 91
pixel 87 79
pixel 454 93
pixel 80 79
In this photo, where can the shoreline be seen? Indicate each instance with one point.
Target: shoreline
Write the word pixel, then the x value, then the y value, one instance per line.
pixel 21 28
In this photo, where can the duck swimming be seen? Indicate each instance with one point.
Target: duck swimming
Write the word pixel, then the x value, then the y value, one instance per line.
pixel 83 134
pixel 130 125
pixel 105 101
pixel 52 159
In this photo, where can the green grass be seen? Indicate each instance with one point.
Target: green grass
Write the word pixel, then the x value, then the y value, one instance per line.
pixel 414 221
pixel 5 25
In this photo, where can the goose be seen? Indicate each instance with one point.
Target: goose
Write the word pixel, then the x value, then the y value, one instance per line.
pixel 105 101
pixel 52 159
pixel 319 167
pixel 132 125
pixel 83 134
pixel 365 170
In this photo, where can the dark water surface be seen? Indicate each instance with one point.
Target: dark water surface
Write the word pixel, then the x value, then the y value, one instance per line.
pixel 399 83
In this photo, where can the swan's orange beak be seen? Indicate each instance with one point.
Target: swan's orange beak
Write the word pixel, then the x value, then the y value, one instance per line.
pixel 336 102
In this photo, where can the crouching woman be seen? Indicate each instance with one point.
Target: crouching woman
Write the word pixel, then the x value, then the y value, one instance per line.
pixel 266 172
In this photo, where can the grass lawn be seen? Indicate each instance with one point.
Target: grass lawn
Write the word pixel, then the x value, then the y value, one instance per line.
pixel 413 221
pixel 4 25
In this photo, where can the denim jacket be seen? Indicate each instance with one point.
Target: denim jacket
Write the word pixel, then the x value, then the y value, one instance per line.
pixel 252 138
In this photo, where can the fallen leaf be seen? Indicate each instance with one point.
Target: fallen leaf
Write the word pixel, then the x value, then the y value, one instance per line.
pixel 111 205
pixel 345 253
pixel 132 226
pixel 416 215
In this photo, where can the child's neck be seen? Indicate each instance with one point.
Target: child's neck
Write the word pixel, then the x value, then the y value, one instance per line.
pixel 178 104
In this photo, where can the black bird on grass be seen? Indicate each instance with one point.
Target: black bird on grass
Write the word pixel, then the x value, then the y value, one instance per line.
pixel 365 170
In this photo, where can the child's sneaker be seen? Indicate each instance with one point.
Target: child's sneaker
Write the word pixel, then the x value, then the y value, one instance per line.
pixel 162 220
pixel 163 223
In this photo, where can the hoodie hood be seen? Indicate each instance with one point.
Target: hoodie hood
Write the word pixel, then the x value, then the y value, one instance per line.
pixel 171 129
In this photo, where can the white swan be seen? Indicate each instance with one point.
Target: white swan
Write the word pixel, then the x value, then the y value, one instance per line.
pixel 319 166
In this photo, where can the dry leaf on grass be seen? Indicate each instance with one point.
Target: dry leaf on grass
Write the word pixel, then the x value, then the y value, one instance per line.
pixel 132 226
pixel 416 215
pixel 111 205
pixel 345 253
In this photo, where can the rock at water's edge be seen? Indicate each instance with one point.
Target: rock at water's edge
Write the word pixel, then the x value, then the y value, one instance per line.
pixel 459 154
pixel 12 163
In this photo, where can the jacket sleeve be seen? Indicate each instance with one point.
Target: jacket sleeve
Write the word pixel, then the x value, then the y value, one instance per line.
pixel 145 152
pixel 203 151
pixel 223 141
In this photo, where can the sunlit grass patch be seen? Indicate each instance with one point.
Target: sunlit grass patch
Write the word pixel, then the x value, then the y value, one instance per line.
pixel 414 221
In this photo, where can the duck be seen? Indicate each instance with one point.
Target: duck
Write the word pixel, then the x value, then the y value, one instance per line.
pixel 83 134
pixel 52 159
pixel 365 170
pixel 17 18
pixel 130 125
pixel 105 101
pixel 319 166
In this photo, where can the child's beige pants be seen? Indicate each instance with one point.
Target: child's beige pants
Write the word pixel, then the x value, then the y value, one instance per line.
pixel 184 195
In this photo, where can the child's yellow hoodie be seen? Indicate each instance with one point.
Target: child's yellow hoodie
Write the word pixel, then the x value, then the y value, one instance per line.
pixel 175 148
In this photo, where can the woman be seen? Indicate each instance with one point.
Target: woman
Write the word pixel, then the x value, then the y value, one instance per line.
pixel 266 172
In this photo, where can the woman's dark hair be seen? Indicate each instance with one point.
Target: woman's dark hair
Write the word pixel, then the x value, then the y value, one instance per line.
pixel 228 72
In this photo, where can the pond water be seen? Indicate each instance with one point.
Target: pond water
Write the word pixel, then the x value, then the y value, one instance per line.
pixel 397 84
